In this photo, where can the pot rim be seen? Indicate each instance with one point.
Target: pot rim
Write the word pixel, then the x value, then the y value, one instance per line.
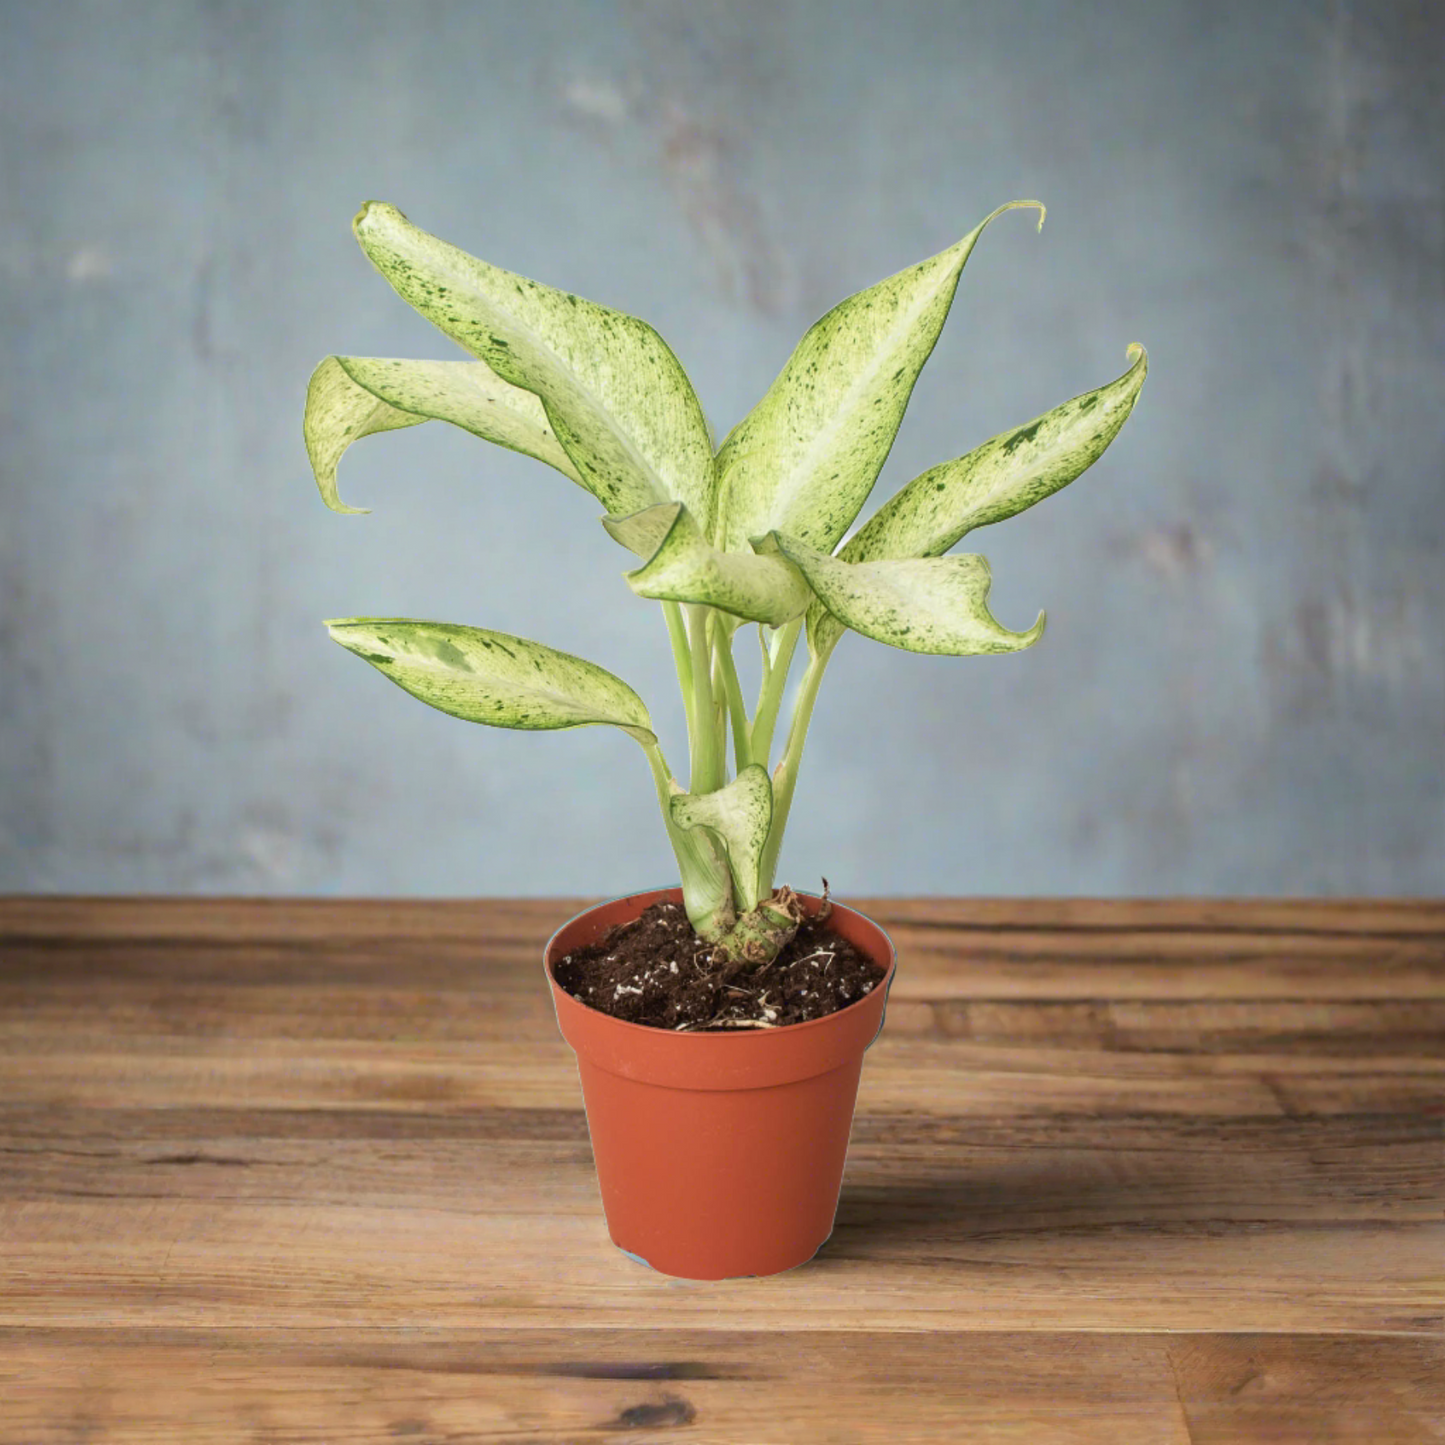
pixel 740 1035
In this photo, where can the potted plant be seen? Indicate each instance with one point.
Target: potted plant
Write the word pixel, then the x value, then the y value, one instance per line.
pixel 720 1025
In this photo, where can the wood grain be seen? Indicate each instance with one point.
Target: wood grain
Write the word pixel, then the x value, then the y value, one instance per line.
pixel 1121 1171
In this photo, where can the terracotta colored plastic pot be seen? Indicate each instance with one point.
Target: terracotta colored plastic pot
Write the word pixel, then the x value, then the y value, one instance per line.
pixel 719 1154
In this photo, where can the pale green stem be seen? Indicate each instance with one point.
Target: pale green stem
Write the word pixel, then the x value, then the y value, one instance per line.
pixel 681 657
pixel 662 776
pixel 786 775
pixel 706 878
pixel 719 703
pixel 770 695
pixel 707 762
pixel 742 734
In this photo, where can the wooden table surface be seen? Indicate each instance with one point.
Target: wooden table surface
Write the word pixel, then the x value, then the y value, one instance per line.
pixel 1121 1172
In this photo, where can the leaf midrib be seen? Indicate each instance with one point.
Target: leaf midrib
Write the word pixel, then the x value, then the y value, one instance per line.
pixel 546 694
pixel 500 400
pixel 525 686
pixel 785 494
pixel 993 469
pixel 450 268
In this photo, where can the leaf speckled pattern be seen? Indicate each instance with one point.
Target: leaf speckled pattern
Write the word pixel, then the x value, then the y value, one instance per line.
pixel 616 397
pixel 1006 475
pixel 805 458
pixel 493 677
pixel 933 604
pixel 682 567
pixel 740 815
pixel 350 397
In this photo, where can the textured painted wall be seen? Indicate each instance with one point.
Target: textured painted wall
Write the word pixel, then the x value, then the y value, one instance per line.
pixel 1241 689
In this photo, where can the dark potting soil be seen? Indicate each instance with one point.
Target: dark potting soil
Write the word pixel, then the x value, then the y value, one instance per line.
pixel 656 971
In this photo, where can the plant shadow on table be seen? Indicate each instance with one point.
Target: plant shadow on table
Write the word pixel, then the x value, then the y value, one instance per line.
pixel 1076 1194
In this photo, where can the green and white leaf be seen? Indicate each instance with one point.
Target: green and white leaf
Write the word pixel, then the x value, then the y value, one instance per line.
pixel 933 604
pixel 616 397
pixel 1006 475
pixel 350 397
pixel 644 532
pixel 683 567
pixel 493 677
pixel 740 815
pixel 805 458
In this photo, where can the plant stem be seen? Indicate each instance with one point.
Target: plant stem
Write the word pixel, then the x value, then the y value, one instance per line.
pixel 719 699
pixel 742 733
pixel 705 875
pixel 707 762
pixel 662 776
pixel 770 695
pixel 681 657
pixel 785 776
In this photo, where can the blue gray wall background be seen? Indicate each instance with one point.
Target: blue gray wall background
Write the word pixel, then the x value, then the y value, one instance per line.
pixel 1241 689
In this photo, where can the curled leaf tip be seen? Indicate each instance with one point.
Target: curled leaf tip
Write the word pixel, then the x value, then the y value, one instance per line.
pixel 1135 351
pixel 364 214
pixel 1023 206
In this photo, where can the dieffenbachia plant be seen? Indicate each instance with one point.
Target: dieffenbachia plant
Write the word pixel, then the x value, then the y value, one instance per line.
pixel 744 532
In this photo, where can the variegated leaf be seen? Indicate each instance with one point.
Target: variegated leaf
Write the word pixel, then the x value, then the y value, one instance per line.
pixel 683 567
pixel 931 604
pixel 492 677
pixel 615 395
pixel 740 814
pixel 644 532
pixel 350 397
pixel 805 458
pixel 1006 475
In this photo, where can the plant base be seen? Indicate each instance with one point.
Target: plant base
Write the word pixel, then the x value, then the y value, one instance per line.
pixel 656 971
pixel 719 1155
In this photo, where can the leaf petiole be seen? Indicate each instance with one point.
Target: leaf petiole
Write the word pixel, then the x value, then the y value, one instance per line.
pixel 785 776
pixel 682 661
pixel 742 731
pixel 707 760
pixel 777 661
pixel 706 877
